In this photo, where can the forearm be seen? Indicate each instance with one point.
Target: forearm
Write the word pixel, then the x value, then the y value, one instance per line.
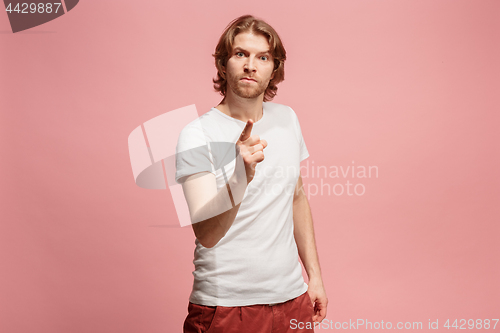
pixel 212 221
pixel 304 237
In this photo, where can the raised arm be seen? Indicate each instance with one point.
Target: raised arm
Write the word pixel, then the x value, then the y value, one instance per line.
pixel 213 212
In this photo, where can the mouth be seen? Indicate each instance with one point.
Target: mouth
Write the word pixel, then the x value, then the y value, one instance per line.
pixel 247 79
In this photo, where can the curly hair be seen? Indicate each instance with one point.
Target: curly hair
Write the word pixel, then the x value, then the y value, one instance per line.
pixel 223 50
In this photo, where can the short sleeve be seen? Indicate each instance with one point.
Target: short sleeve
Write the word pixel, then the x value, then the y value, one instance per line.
pixel 192 152
pixel 304 153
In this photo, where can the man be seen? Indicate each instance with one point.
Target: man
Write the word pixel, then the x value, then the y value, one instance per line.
pixel 250 215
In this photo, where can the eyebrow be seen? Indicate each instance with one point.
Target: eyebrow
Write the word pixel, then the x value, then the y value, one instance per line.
pixel 241 49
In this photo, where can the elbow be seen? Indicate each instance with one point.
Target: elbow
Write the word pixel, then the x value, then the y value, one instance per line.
pixel 204 237
pixel 208 232
pixel 207 243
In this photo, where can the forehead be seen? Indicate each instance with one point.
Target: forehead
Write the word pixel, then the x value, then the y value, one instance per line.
pixel 251 42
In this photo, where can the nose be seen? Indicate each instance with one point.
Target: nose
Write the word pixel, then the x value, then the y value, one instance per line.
pixel 250 65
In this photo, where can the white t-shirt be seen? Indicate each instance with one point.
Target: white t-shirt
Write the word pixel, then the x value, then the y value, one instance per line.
pixel 257 261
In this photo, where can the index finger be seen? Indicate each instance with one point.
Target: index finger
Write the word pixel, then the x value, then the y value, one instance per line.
pixel 247 130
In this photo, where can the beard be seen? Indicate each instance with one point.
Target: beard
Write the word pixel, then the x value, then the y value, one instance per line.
pixel 246 90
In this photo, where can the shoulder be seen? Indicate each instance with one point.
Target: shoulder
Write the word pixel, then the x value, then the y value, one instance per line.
pixel 201 125
pixel 277 107
pixel 197 132
pixel 281 110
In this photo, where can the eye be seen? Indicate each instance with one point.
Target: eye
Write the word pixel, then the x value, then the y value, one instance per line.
pixel 240 54
pixel 264 58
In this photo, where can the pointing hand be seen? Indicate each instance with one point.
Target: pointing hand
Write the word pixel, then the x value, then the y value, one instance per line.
pixel 251 149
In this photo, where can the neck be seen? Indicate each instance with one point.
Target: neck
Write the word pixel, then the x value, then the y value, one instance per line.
pixel 242 108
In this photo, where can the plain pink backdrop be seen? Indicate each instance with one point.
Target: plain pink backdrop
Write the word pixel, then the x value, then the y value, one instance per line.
pixel 411 87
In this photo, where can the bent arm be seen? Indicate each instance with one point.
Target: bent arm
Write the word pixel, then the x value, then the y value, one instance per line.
pixel 212 212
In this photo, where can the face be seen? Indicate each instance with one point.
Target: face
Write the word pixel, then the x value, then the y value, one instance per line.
pixel 250 67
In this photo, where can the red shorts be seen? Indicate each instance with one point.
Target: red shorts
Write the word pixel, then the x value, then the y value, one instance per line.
pixel 284 317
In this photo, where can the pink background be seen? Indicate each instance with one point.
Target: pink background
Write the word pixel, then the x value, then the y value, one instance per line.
pixel 411 87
